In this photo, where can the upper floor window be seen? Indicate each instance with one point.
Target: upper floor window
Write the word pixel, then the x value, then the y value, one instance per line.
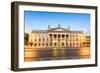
pixel 39 39
pixel 55 35
pixel 50 35
pixel 43 39
pixel 47 39
pixel 76 35
pixel 63 36
pixel 59 36
pixel 39 44
pixel 67 35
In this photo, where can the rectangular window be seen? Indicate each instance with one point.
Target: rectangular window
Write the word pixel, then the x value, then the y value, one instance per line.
pixel 43 44
pixel 39 39
pixel 39 44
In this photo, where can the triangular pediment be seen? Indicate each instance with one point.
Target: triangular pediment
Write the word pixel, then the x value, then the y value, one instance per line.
pixel 59 29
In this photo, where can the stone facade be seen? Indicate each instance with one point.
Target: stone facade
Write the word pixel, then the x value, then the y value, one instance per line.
pixel 56 37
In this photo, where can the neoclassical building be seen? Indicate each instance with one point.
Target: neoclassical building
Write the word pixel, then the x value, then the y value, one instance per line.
pixel 56 37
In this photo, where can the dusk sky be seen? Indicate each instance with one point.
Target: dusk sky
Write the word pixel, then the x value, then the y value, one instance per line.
pixel 41 20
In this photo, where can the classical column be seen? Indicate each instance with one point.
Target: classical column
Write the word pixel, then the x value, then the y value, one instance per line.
pixel 65 40
pixel 52 40
pixel 61 40
pixel 57 39
pixel 69 40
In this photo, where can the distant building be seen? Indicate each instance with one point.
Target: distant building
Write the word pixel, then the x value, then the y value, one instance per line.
pixel 26 38
pixel 88 40
pixel 56 37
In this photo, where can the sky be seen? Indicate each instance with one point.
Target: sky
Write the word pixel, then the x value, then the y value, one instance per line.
pixel 40 20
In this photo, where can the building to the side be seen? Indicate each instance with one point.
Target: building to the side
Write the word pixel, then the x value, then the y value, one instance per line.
pixel 56 37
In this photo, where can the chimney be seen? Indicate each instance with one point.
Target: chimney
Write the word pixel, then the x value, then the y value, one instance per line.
pixel 69 27
pixel 58 25
pixel 48 26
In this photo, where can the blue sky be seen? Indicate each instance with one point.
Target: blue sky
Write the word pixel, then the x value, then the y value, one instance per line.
pixel 41 20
